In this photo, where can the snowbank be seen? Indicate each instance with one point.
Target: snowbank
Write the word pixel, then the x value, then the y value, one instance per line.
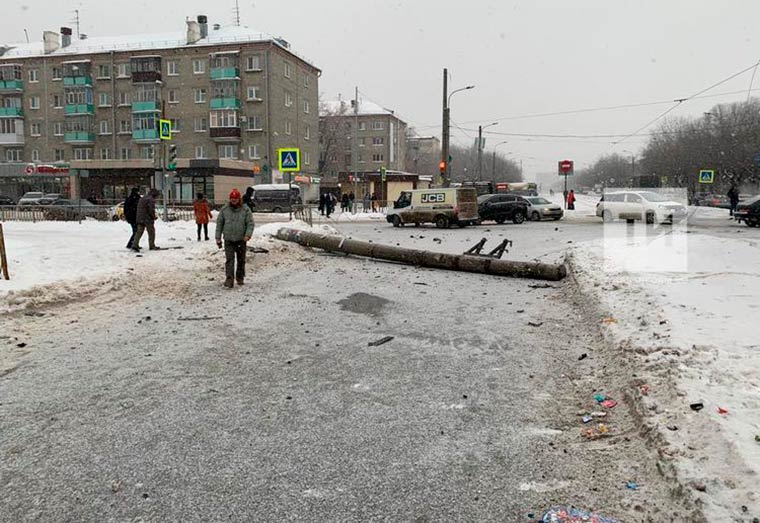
pixel 698 335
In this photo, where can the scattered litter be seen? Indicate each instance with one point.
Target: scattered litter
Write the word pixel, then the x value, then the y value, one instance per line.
pixel 632 486
pixel 600 431
pixel 598 414
pixel 582 356
pixel 200 318
pixel 600 397
pixel 722 410
pixel 420 283
pixel 381 341
pixel 672 427
pixel 21 345
pixel 541 286
pixel 587 419
pixel 609 404
pixel 258 250
pixel 644 389
pixel 574 515
pixel 699 486
pixel 520 311
pixel 757 438
pixel 696 407
pixel 609 320
pixel 535 324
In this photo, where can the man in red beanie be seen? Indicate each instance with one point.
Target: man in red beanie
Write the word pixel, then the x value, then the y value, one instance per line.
pixel 235 223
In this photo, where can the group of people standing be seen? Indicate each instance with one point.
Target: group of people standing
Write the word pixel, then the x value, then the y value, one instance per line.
pixel 328 201
pixel 140 214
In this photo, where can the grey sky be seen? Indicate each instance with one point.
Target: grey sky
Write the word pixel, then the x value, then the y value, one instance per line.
pixel 524 57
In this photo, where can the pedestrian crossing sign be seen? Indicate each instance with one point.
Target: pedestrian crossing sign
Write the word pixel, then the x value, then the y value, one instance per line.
pixel 290 160
pixel 706 176
pixel 165 129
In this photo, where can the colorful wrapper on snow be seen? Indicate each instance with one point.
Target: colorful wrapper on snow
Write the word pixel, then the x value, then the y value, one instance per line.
pixel 574 515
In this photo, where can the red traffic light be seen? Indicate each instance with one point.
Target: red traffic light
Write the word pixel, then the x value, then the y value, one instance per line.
pixel 442 166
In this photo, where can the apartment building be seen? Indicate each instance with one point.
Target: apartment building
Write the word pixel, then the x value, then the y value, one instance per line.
pixel 93 105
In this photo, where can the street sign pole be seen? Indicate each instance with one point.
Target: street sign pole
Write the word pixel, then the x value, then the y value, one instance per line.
pixel 564 193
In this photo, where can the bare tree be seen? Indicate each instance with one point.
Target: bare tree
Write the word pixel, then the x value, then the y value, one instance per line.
pixel 334 139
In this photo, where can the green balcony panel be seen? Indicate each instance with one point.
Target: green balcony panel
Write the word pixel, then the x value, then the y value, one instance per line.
pixel 77 80
pixel 11 112
pixel 225 73
pixel 11 85
pixel 145 107
pixel 79 137
pixel 79 109
pixel 145 134
pixel 225 103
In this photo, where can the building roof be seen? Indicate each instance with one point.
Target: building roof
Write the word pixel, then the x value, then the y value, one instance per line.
pixel 230 34
pixel 345 108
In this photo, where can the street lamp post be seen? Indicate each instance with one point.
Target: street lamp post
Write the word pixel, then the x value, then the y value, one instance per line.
pixel 445 134
pixel 633 166
pixel 493 160
pixel 480 148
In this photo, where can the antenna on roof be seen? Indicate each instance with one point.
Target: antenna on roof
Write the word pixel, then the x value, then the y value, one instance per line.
pixel 76 20
pixel 237 13
pixel 27 35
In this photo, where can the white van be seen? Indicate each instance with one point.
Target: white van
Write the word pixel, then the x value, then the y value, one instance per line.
pixel 443 207
pixel 647 206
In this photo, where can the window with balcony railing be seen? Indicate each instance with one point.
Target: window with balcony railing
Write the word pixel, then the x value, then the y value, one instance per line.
pixel 146 93
pixel 78 95
pixel 10 72
pixel 225 90
pixel 223 119
pixel 78 69
pixel 79 124
pixel 144 122
pixel 225 61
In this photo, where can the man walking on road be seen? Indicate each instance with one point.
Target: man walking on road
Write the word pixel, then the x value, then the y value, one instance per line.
pixel 130 213
pixel 733 198
pixel 235 223
pixel 146 217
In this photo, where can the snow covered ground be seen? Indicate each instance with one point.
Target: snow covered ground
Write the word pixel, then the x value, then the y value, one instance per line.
pixel 696 332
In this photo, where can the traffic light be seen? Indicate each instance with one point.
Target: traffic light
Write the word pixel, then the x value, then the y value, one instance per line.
pixel 442 167
pixel 172 157
pixel 383 172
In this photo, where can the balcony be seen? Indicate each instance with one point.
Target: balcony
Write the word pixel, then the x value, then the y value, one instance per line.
pixel 12 139
pixel 225 73
pixel 145 107
pixel 79 137
pixel 77 80
pixel 225 134
pixel 146 77
pixel 11 112
pixel 11 86
pixel 225 103
pixel 145 135
pixel 76 109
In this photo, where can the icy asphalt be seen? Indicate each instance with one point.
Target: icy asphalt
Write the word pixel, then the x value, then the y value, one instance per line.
pixel 175 400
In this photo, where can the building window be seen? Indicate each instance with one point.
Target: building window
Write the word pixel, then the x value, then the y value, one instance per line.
pixel 34 102
pixel 228 152
pixel 34 75
pixel 253 93
pixel 200 125
pixel 288 70
pixel 254 123
pixel 8 126
pixel 362 141
pixel 105 153
pixel 223 119
pixel 79 96
pixel 124 99
pixel 306 106
pixel 362 126
pixel 122 70
pixel 125 127
pixel 306 158
pixel 35 155
pixel 288 127
pixel 35 129
pixel 288 99
pixel 146 152
pixel 199 95
pixel 199 66
pixel 104 71
pixel 60 156
pixel 57 75
pixel 58 129
pixel 125 153
pixel 57 101
pixel 253 63
pixel 82 153
pixel 173 97
pixel 377 125
pixel 13 155
pixel 347 159
pixel 104 127
pixel 200 152
pixel 378 140
pixel 360 158
pixel 104 100
pixel 254 152
pixel 172 68
pixel 378 157
pixel 175 125
pixel 307 133
pixel 306 80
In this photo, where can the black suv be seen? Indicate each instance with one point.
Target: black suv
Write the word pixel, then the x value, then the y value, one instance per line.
pixel 502 207
pixel 749 212
pixel 6 200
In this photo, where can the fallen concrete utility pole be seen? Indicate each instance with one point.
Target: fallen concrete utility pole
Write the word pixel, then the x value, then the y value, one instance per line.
pixel 435 260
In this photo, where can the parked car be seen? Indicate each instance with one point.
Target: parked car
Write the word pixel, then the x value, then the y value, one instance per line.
pixel 117 212
pixel 30 199
pixel 748 212
pixel 274 197
pixel 712 200
pixel 443 207
pixel 7 200
pixel 64 209
pixel 502 207
pixel 648 206
pixel 49 199
pixel 542 209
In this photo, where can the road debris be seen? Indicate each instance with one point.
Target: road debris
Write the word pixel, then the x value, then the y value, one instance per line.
pixel 609 321
pixel 696 407
pixel 608 403
pixel 381 341
pixel 722 410
pixel 600 431
pixel 200 318
pixel 632 486
pixel 563 514
pixel 582 357
pixel 535 323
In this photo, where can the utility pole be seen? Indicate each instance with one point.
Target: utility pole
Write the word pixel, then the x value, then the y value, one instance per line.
pixel 493 166
pixel 164 176
pixel 356 139
pixel 445 131
pixel 480 153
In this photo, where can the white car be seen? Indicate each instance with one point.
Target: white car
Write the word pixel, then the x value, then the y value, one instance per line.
pixel 648 206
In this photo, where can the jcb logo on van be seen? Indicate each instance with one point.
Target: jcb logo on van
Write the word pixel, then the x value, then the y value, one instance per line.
pixel 436 197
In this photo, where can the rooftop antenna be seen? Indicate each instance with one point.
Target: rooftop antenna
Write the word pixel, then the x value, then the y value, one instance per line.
pixel 27 35
pixel 76 21
pixel 237 13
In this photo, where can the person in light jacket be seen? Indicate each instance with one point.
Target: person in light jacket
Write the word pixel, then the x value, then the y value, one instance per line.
pixel 235 224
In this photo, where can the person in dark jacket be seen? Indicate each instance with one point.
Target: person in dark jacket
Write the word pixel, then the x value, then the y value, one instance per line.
pixel 130 213
pixel 235 223
pixel 321 206
pixel 146 218
pixel 248 198
pixel 733 199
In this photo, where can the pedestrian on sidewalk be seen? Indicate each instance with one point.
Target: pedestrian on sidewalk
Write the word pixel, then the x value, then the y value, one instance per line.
pixel 330 202
pixel 146 218
pixel 374 202
pixel 248 198
pixel 235 224
pixel 322 204
pixel 571 200
pixel 130 213
pixel 351 200
pixel 733 199
pixel 344 202
pixel 202 214
pixel 366 202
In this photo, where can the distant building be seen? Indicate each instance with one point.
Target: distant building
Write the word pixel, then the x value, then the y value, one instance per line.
pixel 423 155
pixel 92 105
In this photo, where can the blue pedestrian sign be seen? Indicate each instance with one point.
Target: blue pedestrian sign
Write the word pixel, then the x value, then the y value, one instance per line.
pixel 165 129
pixel 706 176
pixel 757 160
pixel 290 159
